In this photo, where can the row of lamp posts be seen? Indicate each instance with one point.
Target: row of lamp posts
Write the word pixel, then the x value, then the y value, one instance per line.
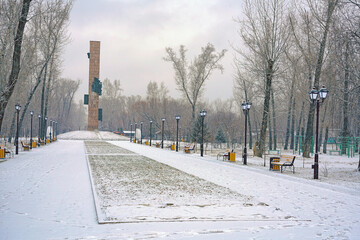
pixel 316 96
pixel 177 117
pixel 53 124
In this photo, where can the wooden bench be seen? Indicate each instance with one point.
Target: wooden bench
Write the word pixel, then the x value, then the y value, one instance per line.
pixel 283 162
pixel 225 155
pixel 25 146
pixel 7 151
pixel 189 148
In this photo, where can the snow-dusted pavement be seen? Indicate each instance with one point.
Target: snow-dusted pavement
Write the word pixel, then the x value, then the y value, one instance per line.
pixel 46 194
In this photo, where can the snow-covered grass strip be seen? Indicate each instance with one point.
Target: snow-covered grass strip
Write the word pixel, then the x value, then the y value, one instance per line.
pixel 139 189
pixel 102 147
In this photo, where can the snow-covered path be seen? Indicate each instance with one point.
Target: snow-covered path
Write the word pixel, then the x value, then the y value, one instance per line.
pixel 334 211
pixel 46 194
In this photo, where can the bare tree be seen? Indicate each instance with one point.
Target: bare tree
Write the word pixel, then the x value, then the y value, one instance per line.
pixel 190 79
pixel 265 33
pixel 15 68
pixel 330 8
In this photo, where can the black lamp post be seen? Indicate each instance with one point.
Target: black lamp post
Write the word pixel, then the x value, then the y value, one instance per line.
pixel 55 132
pixel 130 132
pixel 39 116
pixel 177 132
pixel 50 130
pixel 31 122
pixel 141 135
pixel 322 93
pixel 17 108
pixel 135 131
pixel 245 107
pixel 150 131
pixel 45 128
pixel 162 132
pixel 202 115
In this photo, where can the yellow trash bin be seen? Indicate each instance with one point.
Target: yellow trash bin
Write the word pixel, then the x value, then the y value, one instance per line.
pixel 147 143
pixel 232 157
pixel 173 146
pixel 2 153
pixel 47 141
pixel 33 144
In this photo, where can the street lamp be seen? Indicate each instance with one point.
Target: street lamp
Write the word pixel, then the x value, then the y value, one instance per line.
pixel 322 93
pixel 141 136
pixel 130 132
pixel 162 132
pixel 17 108
pixel 177 117
pixel 55 133
pixel 150 130
pixel 202 115
pixel 31 122
pixel 135 131
pixel 245 107
pixel 50 129
pixel 39 116
pixel 45 128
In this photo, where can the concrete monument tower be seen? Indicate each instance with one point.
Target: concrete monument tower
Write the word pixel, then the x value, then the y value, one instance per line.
pixel 94 85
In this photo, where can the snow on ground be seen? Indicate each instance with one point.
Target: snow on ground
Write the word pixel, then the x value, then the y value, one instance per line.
pixel 46 194
pixel 88 135
pixel 132 188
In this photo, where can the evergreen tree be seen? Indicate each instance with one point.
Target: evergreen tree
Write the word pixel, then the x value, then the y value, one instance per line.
pixel 196 132
pixel 220 137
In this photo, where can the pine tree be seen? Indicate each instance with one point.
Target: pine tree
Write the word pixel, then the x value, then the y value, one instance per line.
pixel 196 132
pixel 220 137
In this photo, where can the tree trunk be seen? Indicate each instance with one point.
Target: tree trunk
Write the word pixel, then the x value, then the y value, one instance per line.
pixel 274 119
pixel 309 128
pixel 287 136
pixel 269 75
pixel 299 126
pixel 326 139
pixel 292 125
pixel 15 68
pixel 270 135
pixel 12 127
pixel 345 130
pixel 42 105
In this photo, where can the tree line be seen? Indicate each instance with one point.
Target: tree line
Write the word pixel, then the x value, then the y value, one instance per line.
pixel 284 49
pixel 33 35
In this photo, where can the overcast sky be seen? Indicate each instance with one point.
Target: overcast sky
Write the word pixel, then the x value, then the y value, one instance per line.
pixel 135 33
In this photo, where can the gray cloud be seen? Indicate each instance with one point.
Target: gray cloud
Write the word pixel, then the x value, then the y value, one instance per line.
pixel 134 35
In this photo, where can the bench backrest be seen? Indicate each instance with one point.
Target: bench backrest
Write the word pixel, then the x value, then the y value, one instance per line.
pixel 287 158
